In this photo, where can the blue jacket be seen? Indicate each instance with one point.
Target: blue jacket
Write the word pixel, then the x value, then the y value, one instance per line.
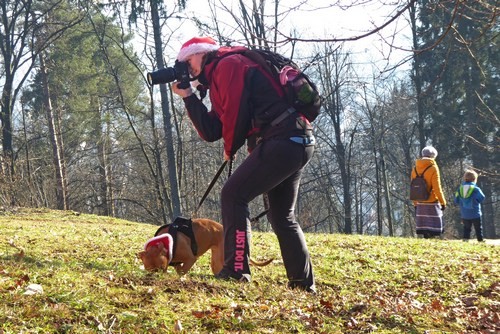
pixel 469 196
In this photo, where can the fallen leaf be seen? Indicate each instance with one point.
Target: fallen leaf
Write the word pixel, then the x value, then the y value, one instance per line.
pixel 200 314
pixel 23 279
pixel 352 323
pixel 326 304
pixel 358 308
pixel 20 249
pixel 469 301
pixel 437 305
pixel 33 289
pixel 178 326
pixel 19 255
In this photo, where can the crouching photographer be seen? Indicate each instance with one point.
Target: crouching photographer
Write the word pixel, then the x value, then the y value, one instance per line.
pixel 245 100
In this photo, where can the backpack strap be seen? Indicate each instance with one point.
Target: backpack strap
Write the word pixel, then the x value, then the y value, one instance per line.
pixel 260 60
pixel 185 226
pixel 426 169
pixel 267 67
pixel 271 68
pixel 421 175
pixel 160 229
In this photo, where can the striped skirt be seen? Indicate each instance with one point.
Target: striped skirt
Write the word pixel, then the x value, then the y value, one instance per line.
pixel 429 219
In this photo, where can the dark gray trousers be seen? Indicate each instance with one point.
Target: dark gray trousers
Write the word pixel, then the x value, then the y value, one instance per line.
pixel 476 222
pixel 274 167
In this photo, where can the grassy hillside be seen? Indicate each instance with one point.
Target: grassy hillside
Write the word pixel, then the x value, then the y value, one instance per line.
pixel 92 282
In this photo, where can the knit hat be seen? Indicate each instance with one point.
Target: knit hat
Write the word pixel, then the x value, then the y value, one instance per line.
pixel 197 45
pixel 429 152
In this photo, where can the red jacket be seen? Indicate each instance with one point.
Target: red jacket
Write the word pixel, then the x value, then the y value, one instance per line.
pixel 243 97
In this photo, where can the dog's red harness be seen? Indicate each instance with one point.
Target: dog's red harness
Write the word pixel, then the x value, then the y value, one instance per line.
pixel 165 239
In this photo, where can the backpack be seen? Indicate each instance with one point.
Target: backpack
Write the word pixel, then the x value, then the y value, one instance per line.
pixel 300 92
pixel 418 187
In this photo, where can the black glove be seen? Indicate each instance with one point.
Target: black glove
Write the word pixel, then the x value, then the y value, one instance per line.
pixel 443 207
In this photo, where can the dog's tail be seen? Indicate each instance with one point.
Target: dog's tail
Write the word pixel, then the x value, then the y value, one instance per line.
pixel 261 264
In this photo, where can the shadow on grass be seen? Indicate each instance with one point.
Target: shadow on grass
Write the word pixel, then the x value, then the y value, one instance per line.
pixel 398 323
pixel 31 261
pixel 52 262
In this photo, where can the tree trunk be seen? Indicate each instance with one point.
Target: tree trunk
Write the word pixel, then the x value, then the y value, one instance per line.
pixel 416 77
pixel 56 141
pixel 387 194
pixel 28 162
pixel 345 177
pixel 378 196
pixel 167 124
pixel 106 202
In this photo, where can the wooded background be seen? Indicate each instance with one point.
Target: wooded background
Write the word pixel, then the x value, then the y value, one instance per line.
pixel 82 130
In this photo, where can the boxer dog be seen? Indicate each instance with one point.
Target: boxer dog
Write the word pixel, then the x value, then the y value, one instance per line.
pixel 181 243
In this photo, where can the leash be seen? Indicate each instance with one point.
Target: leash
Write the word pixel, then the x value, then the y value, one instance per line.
pixel 256 218
pixel 211 185
pixel 263 213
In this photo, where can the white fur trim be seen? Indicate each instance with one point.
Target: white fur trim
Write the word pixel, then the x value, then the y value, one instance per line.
pixel 158 239
pixel 194 49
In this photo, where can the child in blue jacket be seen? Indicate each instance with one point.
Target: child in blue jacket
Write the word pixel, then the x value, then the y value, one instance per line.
pixel 469 196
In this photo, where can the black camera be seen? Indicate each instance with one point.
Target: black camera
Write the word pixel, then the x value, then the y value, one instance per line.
pixel 179 72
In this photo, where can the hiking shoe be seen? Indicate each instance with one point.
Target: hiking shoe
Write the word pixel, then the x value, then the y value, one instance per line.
pixel 227 275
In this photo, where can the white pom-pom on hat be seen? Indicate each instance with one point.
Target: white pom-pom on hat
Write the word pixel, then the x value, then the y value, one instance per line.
pixel 197 45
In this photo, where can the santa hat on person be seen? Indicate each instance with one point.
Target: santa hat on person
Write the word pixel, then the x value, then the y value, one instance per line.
pixel 197 45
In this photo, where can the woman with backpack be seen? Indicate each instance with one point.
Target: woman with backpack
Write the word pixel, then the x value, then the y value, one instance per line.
pixel 244 101
pixel 429 212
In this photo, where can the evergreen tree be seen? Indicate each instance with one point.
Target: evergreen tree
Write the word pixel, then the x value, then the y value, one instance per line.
pixel 85 96
pixel 459 70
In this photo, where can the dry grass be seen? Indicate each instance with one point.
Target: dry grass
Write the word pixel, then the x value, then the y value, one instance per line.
pixel 93 283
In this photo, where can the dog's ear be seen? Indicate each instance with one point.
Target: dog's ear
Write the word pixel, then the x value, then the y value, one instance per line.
pixel 162 249
pixel 141 255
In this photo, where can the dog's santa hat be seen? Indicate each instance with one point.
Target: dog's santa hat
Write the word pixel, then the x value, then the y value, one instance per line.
pixel 197 45
pixel 167 241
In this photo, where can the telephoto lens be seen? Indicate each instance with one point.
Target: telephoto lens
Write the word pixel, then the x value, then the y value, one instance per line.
pixel 180 72
pixel 164 75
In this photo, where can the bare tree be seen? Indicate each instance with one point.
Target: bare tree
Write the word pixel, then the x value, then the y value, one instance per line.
pixel 341 128
pixel 23 37
pixel 53 121
pixel 21 24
